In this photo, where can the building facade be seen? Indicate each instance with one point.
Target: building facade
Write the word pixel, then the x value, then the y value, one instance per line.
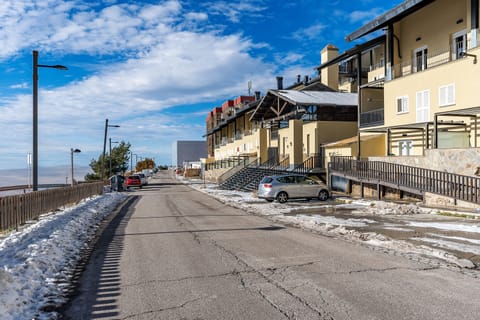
pixel 188 151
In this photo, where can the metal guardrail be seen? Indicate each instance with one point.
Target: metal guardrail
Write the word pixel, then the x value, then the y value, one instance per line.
pixel 460 187
pixel 17 209
pixel 316 161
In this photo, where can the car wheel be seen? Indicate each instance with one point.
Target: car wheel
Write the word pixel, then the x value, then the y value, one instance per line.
pixel 269 200
pixel 323 195
pixel 282 197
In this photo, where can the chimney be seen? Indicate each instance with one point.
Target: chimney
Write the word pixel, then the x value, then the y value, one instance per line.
pixel 305 81
pixel 257 95
pixel 329 75
pixel 280 83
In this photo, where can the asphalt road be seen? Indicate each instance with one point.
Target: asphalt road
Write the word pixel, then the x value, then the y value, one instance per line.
pixel 174 253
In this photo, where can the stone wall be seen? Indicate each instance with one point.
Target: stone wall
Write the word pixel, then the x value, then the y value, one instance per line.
pixel 459 161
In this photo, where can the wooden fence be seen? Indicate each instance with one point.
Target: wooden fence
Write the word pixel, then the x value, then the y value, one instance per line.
pixel 17 209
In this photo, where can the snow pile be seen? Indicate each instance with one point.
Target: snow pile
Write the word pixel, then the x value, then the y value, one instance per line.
pixel 338 227
pixel 33 261
pixel 391 208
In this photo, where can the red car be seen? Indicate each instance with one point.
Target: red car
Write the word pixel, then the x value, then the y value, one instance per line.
pixel 133 181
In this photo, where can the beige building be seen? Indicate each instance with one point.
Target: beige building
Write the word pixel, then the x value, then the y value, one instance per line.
pixel 426 97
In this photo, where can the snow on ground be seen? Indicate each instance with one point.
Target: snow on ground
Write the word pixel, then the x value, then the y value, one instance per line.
pixel 34 260
pixel 335 226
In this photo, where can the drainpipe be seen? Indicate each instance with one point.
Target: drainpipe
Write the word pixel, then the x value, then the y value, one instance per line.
pixel 359 100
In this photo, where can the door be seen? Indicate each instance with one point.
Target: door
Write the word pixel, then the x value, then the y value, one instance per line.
pixel 420 59
pixel 405 147
pixel 459 43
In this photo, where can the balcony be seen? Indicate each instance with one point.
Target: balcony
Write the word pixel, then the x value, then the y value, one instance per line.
pixel 372 118
pixel 425 61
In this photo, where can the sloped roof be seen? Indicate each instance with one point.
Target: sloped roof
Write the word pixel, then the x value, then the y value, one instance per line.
pixel 404 9
pixel 303 98
pixel 317 97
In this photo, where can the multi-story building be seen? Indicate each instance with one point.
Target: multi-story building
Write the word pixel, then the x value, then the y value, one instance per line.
pixel 230 133
pixel 426 97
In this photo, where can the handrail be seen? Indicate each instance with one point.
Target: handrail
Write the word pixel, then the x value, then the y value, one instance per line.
pixel 230 172
pixel 465 188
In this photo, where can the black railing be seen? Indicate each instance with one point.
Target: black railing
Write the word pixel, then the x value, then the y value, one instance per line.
pixel 372 118
pixel 316 161
pixel 465 188
pixel 227 163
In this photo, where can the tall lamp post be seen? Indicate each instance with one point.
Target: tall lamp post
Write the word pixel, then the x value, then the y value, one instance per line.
pixel 72 151
pixel 35 114
pixel 105 145
pixel 131 160
pixel 110 154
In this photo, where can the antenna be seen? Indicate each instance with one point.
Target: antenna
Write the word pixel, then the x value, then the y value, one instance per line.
pixel 249 86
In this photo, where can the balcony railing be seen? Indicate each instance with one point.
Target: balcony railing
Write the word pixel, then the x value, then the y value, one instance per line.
pixel 372 118
pixel 432 59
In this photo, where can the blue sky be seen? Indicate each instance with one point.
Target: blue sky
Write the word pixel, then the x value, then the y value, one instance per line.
pixel 156 68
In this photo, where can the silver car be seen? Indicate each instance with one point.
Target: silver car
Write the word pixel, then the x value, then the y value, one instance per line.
pixel 291 186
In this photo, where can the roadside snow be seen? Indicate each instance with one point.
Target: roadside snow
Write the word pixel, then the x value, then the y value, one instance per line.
pixel 34 260
pixel 334 226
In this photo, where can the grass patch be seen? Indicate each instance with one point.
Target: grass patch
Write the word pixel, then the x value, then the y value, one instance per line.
pixel 457 215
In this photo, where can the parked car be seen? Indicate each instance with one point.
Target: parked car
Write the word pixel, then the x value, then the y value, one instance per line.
pixel 117 183
pixel 143 178
pixel 133 181
pixel 291 186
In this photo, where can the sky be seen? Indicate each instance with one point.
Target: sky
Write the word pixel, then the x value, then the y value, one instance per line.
pixel 155 68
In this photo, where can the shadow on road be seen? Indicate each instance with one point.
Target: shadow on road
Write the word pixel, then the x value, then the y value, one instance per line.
pixel 97 297
pixel 267 228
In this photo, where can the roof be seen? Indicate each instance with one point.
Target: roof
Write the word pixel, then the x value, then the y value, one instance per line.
pixel 396 14
pixel 354 51
pixel 350 141
pixel 303 98
pixel 308 98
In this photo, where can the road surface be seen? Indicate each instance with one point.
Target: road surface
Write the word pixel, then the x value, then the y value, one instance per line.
pixel 175 253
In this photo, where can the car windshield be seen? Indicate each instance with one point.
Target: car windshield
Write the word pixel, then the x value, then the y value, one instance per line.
pixel 266 180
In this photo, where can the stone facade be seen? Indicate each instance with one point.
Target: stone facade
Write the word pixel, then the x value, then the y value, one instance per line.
pixel 459 161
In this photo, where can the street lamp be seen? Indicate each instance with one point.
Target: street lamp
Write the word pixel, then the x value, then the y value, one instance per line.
pixel 72 151
pixel 131 160
pixel 105 145
pixel 110 154
pixel 35 114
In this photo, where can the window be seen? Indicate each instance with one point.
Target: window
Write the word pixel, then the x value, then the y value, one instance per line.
pixel 446 95
pixel 459 43
pixel 420 59
pixel 402 104
pixel 423 106
pixel 405 147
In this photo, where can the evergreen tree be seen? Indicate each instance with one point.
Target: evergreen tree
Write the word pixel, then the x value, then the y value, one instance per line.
pixel 120 160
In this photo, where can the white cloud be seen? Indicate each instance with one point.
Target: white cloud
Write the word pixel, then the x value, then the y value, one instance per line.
pixel 364 16
pixel 173 66
pixel 313 32
pixel 235 11
pixel 22 85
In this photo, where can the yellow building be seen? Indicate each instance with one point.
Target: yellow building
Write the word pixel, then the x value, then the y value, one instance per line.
pixel 301 122
pixel 427 97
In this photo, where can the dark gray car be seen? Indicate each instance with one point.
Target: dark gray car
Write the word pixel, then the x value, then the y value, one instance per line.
pixel 292 186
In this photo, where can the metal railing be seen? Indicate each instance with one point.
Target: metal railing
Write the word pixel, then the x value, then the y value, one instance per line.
pixel 316 161
pixel 372 118
pixel 465 188
pixel 227 163
pixel 17 209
